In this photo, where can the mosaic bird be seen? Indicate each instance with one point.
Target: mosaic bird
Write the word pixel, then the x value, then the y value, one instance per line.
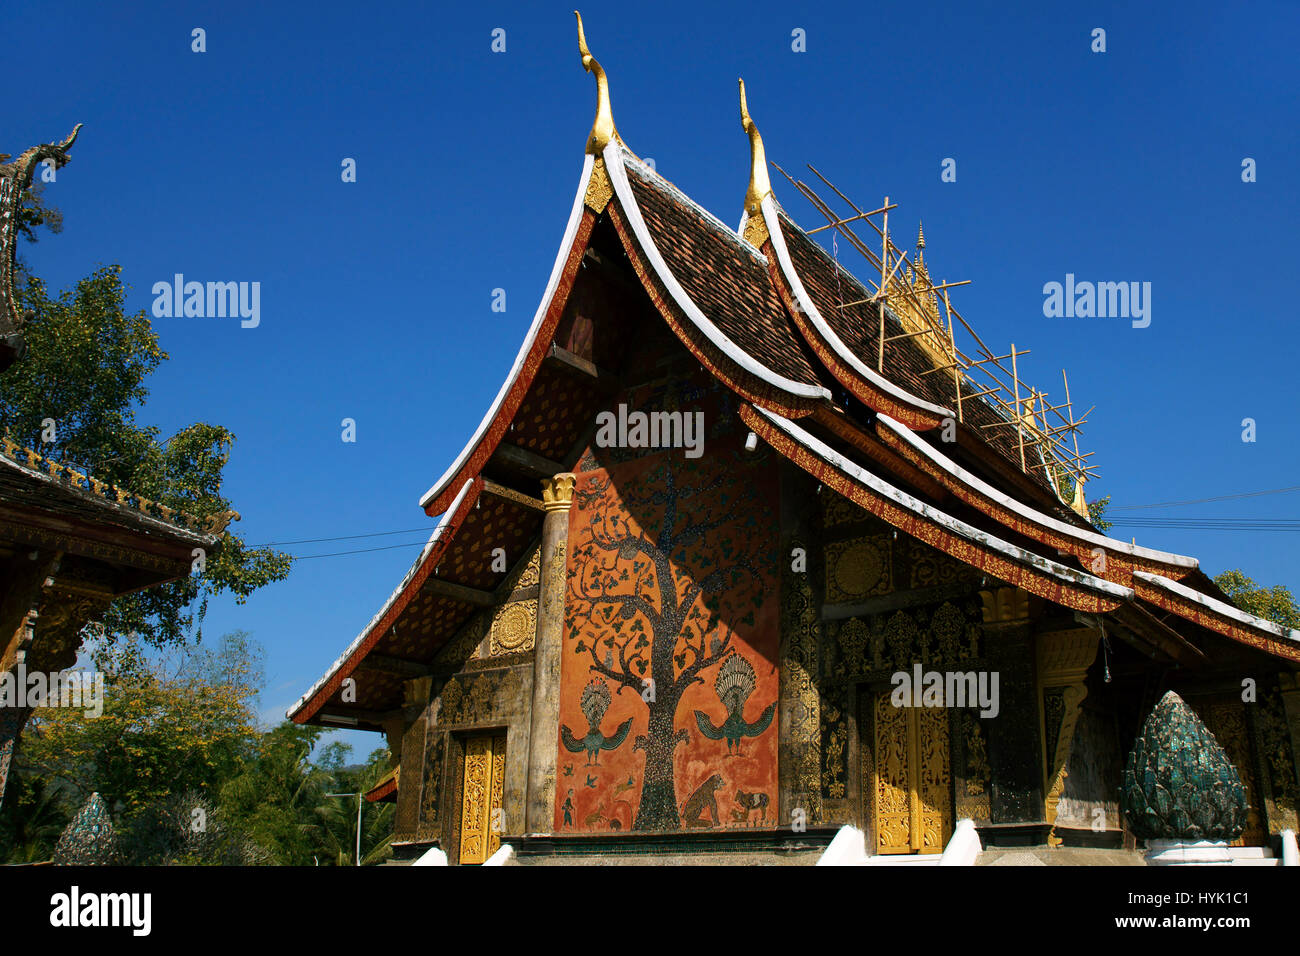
pixel 595 701
pixel 734 684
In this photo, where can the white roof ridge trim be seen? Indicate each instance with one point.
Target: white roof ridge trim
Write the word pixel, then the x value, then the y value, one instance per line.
pixel 955 525
pixel 439 532
pixel 1219 607
pixel 804 301
pixel 618 176
pixel 557 270
pixel 1093 537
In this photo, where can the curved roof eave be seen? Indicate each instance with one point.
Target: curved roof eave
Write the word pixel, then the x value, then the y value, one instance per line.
pixel 1032 515
pixel 438 492
pixel 858 370
pixel 1105 595
pixel 614 158
pixel 430 554
pixel 1217 608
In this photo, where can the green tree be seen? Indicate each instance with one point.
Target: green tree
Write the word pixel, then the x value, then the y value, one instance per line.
pixel 178 722
pixel 31 820
pixel 1097 514
pixel 86 368
pixel 1276 603
pixel 278 789
pixel 337 817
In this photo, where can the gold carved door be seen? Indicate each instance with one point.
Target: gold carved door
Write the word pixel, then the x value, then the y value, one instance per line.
pixel 481 814
pixel 912 796
pixel 1225 717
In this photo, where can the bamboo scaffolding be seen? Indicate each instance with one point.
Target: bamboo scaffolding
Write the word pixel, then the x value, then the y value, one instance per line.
pixel 1050 431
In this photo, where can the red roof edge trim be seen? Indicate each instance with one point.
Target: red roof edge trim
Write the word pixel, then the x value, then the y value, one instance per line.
pixel 1034 576
pixel 509 405
pixel 426 564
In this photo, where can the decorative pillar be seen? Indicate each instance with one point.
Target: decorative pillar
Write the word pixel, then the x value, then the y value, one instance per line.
pixel 543 738
pixel 1063 661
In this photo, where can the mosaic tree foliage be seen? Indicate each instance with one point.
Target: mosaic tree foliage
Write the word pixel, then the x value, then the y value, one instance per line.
pixel 665 571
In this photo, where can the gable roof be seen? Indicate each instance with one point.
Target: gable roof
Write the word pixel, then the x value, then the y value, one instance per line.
pixel 773 324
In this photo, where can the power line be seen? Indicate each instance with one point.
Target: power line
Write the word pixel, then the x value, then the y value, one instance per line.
pixel 1197 524
pixel 336 554
pixel 344 537
pixel 1211 524
pixel 1201 501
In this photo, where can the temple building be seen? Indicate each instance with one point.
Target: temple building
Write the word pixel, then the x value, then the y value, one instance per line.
pixel 729 509
pixel 69 543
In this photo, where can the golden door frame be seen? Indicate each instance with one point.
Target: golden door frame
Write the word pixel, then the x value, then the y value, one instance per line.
pixel 477 794
pixel 907 812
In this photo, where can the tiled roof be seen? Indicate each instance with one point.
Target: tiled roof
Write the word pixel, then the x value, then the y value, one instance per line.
pixel 725 276
pixel 62 494
pixel 858 326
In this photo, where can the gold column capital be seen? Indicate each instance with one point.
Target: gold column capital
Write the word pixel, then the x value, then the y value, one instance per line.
pixel 557 491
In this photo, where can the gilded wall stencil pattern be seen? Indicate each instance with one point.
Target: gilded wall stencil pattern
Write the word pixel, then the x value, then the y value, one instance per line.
pixel 835 741
pixel 929 568
pixel 477 698
pixel 858 568
pixel 514 628
pixel 947 634
pixel 801 744
pixel 530 576
pixel 838 510
pixel 431 786
pixel 973 802
pixel 1278 760
pixel 673 601
pixel 936 636
pixel 1225 717
pixel 465 643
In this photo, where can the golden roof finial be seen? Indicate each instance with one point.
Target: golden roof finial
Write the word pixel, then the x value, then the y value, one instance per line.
pixel 602 130
pixel 1079 505
pixel 920 235
pixel 760 185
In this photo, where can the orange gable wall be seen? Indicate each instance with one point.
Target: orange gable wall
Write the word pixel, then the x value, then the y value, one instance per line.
pixel 623 495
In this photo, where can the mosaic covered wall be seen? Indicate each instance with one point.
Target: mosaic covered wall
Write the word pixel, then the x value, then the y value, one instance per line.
pixel 670 682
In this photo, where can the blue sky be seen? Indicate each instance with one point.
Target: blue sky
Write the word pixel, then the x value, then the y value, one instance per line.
pixel 376 295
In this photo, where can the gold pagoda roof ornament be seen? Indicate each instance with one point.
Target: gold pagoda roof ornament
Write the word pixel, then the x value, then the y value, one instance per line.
pixel 1080 505
pixel 602 130
pixel 760 186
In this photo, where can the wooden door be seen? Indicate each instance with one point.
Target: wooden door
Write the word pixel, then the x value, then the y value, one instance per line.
pixel 481 814
pixel 911 790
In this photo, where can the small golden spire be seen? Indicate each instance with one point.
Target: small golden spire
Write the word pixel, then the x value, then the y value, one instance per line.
pixel 760 186
pixel 920 235
pixel 1079 505
pixel 602 130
